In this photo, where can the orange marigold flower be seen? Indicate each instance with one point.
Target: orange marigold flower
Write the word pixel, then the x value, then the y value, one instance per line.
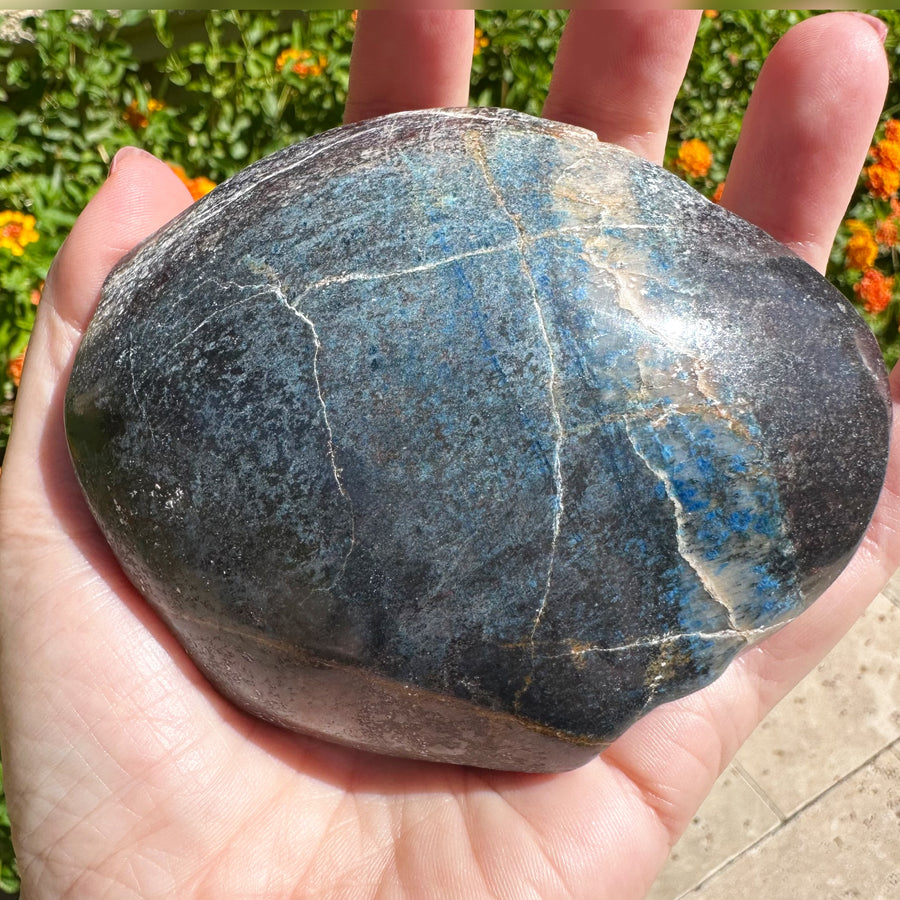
pixel 694 158
pixel 16 231
pixel 135 118
pixel 14 367
pixel 197 186
pixel 315 69
pixel 887 153
pixel 285 57
pixel 301 62
pixel 711 13
pixel 882 181
pixel 875 290
pixel 892 130
pixel 861 248
pixel 717 193
pixel 200 186
pixel 481 41
pixel 886 232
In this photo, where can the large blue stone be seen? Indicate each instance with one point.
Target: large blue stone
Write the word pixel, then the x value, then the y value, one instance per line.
pixel 459 435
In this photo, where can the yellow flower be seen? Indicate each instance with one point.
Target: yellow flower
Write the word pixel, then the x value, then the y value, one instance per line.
pixel 481 41
pixel 16 230
pixel 862 247
pixel 287 56
pixel 694 158
pixel 711 13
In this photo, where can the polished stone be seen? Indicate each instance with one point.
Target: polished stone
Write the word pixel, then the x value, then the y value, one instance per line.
pixel 461 436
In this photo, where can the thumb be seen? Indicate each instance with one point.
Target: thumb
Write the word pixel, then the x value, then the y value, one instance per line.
pixel 140 195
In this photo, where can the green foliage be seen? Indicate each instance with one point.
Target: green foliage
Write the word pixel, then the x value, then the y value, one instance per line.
pixel 728 55
pixel 227 103
pixel 869 209
pixel 514 65
pixel 9 873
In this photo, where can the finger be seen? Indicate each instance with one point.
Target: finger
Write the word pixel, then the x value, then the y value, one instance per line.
pixel 807 130
pixel 618 72
pixel 409 59
pixel 140 195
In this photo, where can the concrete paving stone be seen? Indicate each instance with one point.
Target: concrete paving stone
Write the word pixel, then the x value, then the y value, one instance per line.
pixel 844 846
pixel 892 590
pixel 731 819
pixel 842 714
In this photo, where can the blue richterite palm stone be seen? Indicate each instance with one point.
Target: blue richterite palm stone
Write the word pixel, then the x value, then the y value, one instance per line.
pixel 458 435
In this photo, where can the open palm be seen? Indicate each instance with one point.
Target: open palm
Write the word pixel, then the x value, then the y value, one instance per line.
pixel 127 776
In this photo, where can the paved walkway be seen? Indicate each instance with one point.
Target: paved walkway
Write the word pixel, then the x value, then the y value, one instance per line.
pixel 810 807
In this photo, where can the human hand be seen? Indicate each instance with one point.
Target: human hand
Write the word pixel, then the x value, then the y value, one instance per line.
pixel 127 775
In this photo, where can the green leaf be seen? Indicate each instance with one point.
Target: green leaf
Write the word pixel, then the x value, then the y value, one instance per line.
pixel 8 125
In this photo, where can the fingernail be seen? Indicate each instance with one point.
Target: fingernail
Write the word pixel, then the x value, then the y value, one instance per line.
pixel 125 153
pixel 880 27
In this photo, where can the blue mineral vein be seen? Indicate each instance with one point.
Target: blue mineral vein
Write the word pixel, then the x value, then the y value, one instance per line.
pixel 729 521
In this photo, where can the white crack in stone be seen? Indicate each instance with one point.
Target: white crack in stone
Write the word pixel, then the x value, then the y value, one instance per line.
pixel 476 148
pixel 746 635
pixel 348 277
pixel 323 406
pixel 514 246
pixel 213 315
pixel 693 560
pixel 629 299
